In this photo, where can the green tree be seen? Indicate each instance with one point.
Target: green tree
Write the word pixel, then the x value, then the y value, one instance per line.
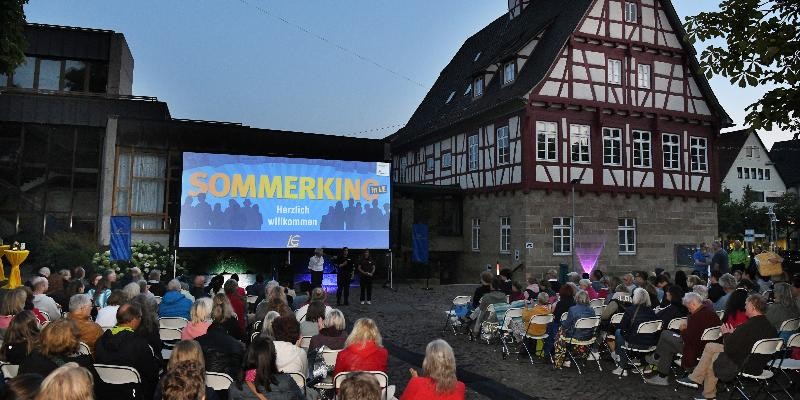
pixel 787 210
pixel 735 216
pixel 12 37
pixel 762 40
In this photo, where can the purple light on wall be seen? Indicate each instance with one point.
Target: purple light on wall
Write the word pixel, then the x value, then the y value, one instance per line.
pixel 589 252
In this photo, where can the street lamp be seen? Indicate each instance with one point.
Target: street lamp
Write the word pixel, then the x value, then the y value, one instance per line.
pixel 572 222
pixel 772 233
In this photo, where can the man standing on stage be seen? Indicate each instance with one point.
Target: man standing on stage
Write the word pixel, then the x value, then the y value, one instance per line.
pixel 367 269
pixel 344 273
pixel 316 264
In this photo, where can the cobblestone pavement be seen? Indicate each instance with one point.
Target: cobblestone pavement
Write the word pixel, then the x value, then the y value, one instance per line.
pixel 412 317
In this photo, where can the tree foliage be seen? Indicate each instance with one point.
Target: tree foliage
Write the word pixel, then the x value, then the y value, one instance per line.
pixel 762 49
pixel 12 35
pixel 735 216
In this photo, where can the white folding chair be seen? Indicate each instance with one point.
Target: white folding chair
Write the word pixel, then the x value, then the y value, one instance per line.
pixel 785 365
pixel 451 318
pixel 106 328
pixel 173 322
pixel 257 326
pixel 504 329
pixel 597 303
pixel 251 299
pixel 305 342
pixel 598 310
pixel 616 318
pixel 254 336
pixel 545 320
pixel 564 316
pixel 118 375
pixel 169 336
pixel 766 347
pixel 383 380
pixel 645 328
pixel 218 380
pixel 158 299
pixel 9 370
pixel 590 323
pixel 711 334
pixel 675 323
pixel 329 356
pixel 790 325
pixel 299 379
pixel 84 349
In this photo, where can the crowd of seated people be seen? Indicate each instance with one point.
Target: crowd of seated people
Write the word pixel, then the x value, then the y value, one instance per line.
pixel 118 324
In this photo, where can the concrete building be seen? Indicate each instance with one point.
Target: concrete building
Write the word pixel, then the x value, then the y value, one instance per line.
pixel 786 156
pixel 744 161
pixel 603 97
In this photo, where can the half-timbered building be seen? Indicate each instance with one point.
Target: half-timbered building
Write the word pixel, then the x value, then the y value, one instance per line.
pixel 602 96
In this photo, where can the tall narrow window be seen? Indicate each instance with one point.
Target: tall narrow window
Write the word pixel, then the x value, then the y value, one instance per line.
pixel 546 135
pixel 505 234
pixel 671 145
pixel 24 74
pixel 642 153
pixel 141 185
pixel 472 141
pixel 447 160
pixel 612 146
pixel 644 76
pixel 49 74
pixel 430 164
pixel 509 72
pixel 627 236
pixel 615 72
pixel 699 154
pixel 503 146
pixel 562 236
pixel 747 173
pixel 760 174
pixel 631 12
pixel 579 143
pixel 476 234
pixel 766 174
pixel 477 89
pixel 739 172
pixel 401 170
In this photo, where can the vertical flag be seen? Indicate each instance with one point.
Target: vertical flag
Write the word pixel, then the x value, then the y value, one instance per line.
pixel 120 238
pixel 419 241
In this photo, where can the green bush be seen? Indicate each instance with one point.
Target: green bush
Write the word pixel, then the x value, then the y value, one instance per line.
pixel 64 250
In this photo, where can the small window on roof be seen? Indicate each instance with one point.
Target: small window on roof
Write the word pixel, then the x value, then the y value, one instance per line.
pixel 477 56
pixel 453 93
pixel 469 89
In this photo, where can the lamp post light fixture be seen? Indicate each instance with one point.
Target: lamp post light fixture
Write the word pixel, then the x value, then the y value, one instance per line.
pixel 572 223
pixel 773 219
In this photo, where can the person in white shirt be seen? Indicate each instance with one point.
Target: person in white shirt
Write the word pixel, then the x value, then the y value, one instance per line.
pixel 317 294
pixel 316 264
pixel 290 356
pixel 44 302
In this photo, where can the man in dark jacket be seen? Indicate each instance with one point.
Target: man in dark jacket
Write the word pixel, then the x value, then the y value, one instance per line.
pixel 735 350
pixel 221 351
pixel 122 346
pixel 687 342
pixel 156 287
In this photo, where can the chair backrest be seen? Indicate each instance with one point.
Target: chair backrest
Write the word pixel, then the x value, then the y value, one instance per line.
pixel 84 349
pixel 299 379
pixel 721 314
pixel 254 335
pixel 251 299
pixel 383 379
pixel 676 323
pixel 541 319
pixel 257 325
pixel 587 323
pixel 218 380
pixel 106 328
pixel 711 334
pixel 305 341
pixel 649 327
pixel 9 370
pixel 794 340
pixel 173 322
pixel 617 318
pixel 462 300
pixel 564 316
pixel 598 310
pixel 597 302
pixel 169 334
pixel 117 374
pixel 790 325
pixel 158 299
pixel 329 356
pixel 767 346
pixel 512 314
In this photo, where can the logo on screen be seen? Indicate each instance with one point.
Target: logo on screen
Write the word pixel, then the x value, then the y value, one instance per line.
pixel 382 169
pixel 377 189
pixel 294 241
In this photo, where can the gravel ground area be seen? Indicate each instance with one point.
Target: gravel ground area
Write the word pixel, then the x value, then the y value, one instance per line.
pixel 411 317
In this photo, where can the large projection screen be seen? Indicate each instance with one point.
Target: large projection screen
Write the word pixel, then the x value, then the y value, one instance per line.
pixel 276 202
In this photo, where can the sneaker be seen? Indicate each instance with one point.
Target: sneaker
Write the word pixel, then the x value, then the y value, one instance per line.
pixel 594 356
pixel 700 396
pixel 651 359
pixel 614 357
pixel 688 382
pixel 567 364
pixel 658 380
pixel 620 371
pixel 363 302
pixel 369 302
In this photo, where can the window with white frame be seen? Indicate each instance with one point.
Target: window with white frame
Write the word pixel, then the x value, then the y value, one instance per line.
pixel 472 156
pixel 699 154
pixel 671 146
pixel 546 135
pixel 503 146
pixel 615 72
pixel 509 72
pixel 642 149
pixel 747 173
pixel 477 87
pixel 447 160
pixel 631 12
pixel 429 164
pixel 505 234
pixel 612 146
pixel 739 172
pixel 562 236
pixel 760 174
pixel 402 175
pixel 141 189
pixel 627 236
pixel 644 76
pixel 766 174
pixel 579 143
pixel 476 234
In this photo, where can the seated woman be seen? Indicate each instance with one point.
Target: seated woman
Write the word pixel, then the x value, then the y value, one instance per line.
pixel 517 291
pixel 541 308
pixel 496 295
pixel 201 319
pixel 185 352
pixel 638 312
pixel 567 330
pixel 314 314
pixel 290 357
pixel 58 345
pixel 360 386
pixel 363 349
pixel 485 287
pixel 675 308
pixel 566 299
pixel 14 302
pixel 260 377
pixel 22 387
pixel 735 314
pixel 586 285
pixel 70 381
pixel 783 308
pixel 222 314
pixel 438 380
pixel 331 332
pixel 21 337
pixel 107 316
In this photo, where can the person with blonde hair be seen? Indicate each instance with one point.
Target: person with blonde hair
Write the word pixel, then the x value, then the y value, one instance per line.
pixel 318 294
pixel 360 386
pixel 438 380
pixel 67 382
pixel 363 349
pixel 222 313
pixel 13 303
pixel 200 319
pixel 331 332
pixel 58 345
pixel 187 357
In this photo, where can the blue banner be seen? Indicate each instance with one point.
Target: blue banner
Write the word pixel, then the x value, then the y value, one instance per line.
pixel 419 242
pixel 278 202
pixel 120 238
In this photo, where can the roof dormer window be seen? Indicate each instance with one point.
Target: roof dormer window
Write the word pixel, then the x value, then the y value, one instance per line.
pixel 469 89
pixel 453 93
pixel 477 87
pixel 477 56
pixel 509 72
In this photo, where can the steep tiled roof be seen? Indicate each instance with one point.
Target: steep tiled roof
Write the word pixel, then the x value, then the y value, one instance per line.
pixel 729 145
pixel 786 156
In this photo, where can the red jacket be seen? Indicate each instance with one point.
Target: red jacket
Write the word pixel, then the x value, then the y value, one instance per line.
pixel 238 307
pixel 366 356
pixel 698 322
pixel 425 388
